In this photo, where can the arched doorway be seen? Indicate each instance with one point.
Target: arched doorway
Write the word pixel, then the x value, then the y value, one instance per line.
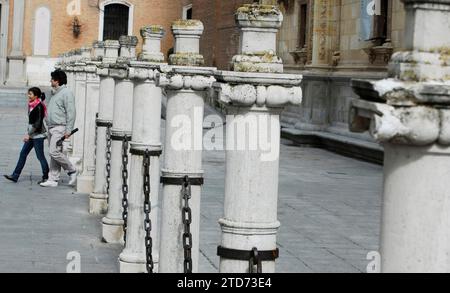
pixel 116 19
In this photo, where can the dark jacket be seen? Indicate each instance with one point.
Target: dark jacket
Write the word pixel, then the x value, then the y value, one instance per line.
pixel 36 121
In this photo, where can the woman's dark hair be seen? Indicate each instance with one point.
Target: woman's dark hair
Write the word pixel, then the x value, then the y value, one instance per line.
pixel 37 93
pixel 60 76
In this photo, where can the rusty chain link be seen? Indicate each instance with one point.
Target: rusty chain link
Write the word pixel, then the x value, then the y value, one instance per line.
pixel 108 160
pixel 147 211
pixel 125 185
pixel 187 221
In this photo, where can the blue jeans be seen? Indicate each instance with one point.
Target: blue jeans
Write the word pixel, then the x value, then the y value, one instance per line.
pixel 38 145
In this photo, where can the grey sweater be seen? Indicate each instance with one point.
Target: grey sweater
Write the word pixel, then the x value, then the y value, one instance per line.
pixel 61 109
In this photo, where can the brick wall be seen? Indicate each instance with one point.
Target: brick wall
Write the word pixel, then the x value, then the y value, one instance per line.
pixel 145 12
pixel 221 38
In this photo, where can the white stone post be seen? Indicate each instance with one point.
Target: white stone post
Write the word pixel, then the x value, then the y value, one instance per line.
pixel 111 52
pixel 16 60
pixel 98 200
pixel 151 49
pixel 146 136
pixel 98 50
pixel 409 114
pixel 77 140
pixel 128 47
pixel 122 127
pixel 85 181
pixel 254 99
pixel 186 90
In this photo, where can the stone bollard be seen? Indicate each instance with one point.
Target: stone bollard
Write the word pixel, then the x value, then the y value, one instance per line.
pixel 121 130
pixel 151 49
pixel 69 69
pixel 182 176
pixel 98 200
pixel 77 141
pixel 98 51
pixel 128 47
pixel 254 96
pixel 139 255
pixel 409 113
pixel 85 181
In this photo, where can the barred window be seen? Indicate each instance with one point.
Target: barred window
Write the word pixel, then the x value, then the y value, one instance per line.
pixel 116 18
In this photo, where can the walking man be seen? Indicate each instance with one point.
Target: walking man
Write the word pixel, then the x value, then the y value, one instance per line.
pixel 60 123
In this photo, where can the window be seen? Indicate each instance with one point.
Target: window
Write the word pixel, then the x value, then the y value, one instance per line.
pixel 303 25
pixel 380 23
pixel 187 12
pixel 41 42
pixel 116 17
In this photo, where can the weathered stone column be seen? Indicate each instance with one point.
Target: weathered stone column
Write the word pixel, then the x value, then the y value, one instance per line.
pixel 128 47
pixel 122 127
pixel 146 136
pixel 85 181
pixel 76 156
pixel 254 98
pixel 98 51
pixel 409 114
pixel 16 60
pixel 98 199
pixel 186 89
pixel 71 72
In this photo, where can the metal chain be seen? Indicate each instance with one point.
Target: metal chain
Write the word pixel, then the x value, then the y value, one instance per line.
pixel 125 186
pixel 108 160
pixel 95 141
pixel 147 211
pixel 255 260
pixel 187 220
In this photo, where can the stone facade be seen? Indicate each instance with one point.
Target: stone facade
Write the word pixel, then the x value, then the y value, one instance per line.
pixel 59 17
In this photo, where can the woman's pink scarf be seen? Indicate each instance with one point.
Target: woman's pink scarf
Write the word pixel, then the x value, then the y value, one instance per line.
pixel 35 103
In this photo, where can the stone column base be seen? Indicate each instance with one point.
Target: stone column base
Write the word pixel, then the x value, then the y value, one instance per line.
pixel 132 263
pixel 112 231
pixel 85 184
pixel 132 268
pixel 98 204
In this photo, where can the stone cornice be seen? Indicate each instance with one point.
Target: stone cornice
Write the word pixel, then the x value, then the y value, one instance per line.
pixel 247 95
pixel 188 78
pixel 418 125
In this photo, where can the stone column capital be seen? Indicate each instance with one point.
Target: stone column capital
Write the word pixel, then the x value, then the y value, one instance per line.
pixel 128 41
pixel 118 71
pixel 261 90
pixel 188 27
pixel 111 44
pixel 404 113
pixel 185 78
pixel 152 31
pixel 259 16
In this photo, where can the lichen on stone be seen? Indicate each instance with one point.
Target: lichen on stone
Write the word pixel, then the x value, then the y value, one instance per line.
pixel 186 59
pixel 258 9
pixel 155 29
pixel 186 23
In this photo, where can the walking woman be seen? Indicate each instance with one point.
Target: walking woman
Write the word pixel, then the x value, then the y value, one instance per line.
pixel 37 111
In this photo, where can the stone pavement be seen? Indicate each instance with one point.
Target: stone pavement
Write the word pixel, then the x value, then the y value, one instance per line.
pixel 329 207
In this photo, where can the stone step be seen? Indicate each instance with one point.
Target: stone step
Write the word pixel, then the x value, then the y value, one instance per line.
pixel 344 145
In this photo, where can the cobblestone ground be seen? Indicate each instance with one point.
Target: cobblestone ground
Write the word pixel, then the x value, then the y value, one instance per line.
pixel 329 207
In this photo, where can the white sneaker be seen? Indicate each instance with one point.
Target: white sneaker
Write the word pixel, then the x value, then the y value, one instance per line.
pixel 49 184
pixel 73 179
